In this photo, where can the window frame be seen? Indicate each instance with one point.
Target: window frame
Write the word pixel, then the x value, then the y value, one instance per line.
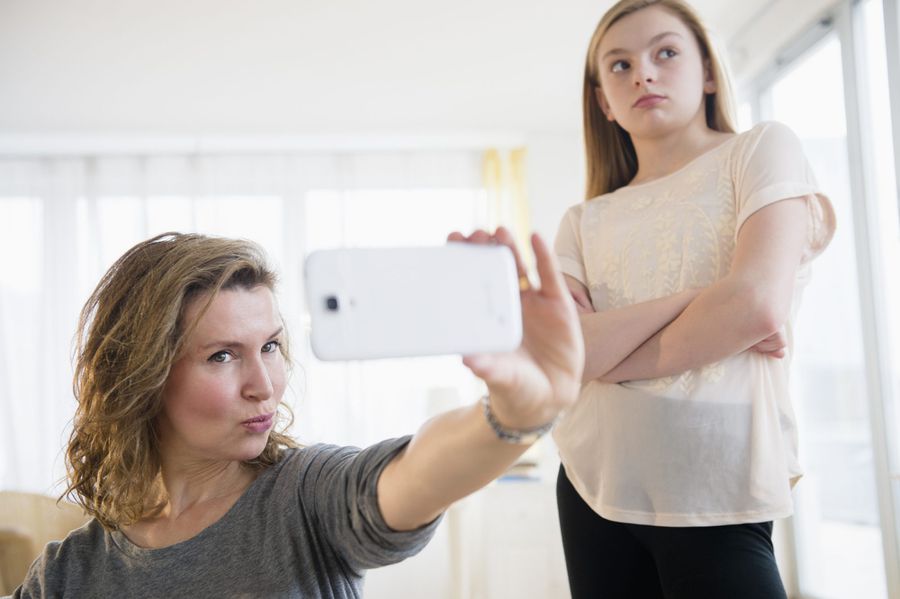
pixel 845 19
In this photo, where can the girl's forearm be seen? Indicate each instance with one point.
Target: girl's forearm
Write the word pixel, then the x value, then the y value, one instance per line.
pixel 748 305
pixel 611 336
pixel 725 319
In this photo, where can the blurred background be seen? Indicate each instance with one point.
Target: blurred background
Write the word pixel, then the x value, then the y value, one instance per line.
pixel 307 124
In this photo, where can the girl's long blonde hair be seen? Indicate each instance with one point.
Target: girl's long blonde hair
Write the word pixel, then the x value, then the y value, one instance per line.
pixel 130 332
pixel 610 154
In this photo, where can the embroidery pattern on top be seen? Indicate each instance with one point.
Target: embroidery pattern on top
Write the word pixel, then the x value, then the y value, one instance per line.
pixel 658 239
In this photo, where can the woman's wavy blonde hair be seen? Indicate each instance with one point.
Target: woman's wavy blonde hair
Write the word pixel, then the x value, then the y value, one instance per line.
pixel 610 154
pixel 130 332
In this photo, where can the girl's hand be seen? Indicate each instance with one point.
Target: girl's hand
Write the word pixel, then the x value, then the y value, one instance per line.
pixel 533 384
pixel 772 346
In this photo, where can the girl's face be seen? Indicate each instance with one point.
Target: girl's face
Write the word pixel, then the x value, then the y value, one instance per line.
pixel 220 399
pixel 652 75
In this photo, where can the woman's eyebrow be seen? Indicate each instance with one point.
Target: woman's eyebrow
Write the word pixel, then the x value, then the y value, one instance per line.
pixel 223 343
pixel 656 38
pixel 212 344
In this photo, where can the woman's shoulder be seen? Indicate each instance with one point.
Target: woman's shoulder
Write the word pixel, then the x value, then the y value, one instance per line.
pixel 88 537
pixel 68 559
pixel 85 539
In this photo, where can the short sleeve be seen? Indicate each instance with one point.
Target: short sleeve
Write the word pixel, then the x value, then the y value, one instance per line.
pixel 568 245
pixel 342 483
pixel 45 574
pixel 35 581
pixel 773 167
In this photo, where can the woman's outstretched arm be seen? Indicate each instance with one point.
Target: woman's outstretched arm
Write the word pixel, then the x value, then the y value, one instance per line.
pixel 458 452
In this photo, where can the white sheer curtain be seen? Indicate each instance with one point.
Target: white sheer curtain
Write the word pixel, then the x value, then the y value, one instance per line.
pixel 64 220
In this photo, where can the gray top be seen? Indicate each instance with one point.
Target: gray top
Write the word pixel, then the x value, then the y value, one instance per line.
pixel 306 527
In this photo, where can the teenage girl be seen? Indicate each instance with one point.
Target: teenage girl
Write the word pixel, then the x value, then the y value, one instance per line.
pixel 687 263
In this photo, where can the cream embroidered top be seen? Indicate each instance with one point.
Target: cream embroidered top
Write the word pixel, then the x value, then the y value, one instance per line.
pixel 711 446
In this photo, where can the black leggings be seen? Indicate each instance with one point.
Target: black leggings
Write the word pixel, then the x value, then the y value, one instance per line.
pixel 633 561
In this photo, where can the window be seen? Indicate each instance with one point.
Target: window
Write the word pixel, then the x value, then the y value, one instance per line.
pixel 846 373
pixel 838 538
pixel 84 213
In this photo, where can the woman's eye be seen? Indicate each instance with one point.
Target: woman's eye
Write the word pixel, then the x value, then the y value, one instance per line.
pixel 667 53
pixel 619 66
pixel 271 346
pixel 221 357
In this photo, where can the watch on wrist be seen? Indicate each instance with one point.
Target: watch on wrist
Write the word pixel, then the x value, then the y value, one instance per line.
pixel 521 437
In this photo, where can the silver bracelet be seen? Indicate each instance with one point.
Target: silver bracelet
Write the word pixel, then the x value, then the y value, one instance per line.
pixel 525 436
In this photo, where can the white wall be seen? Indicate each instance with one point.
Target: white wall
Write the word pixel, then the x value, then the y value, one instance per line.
pixel 555 174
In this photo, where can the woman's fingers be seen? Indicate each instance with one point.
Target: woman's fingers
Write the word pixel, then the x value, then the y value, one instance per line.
pixel 477 236
pixel 503 236
pixel 552 283
pixel 480 236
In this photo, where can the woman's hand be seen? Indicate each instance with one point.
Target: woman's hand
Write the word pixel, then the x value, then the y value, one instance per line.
pixel 531 385
pixel 457 452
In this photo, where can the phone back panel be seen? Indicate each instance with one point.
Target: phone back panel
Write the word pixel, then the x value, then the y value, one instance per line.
pixel 393 302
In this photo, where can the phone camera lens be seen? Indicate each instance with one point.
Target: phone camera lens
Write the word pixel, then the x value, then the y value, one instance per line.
pixel 331 303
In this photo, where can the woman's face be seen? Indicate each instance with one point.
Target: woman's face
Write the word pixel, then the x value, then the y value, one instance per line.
pixel 652 75
pixel 220 399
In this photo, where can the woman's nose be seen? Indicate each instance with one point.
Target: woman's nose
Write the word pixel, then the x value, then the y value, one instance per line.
pixel 257 381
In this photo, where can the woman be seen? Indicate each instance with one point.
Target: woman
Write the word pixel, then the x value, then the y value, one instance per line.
pixel 175 452
pixel 687 264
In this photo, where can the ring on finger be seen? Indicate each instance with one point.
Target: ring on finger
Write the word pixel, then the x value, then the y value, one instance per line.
pixel 524 283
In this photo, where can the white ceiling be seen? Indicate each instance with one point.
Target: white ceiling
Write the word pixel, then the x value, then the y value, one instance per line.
pixel 300 67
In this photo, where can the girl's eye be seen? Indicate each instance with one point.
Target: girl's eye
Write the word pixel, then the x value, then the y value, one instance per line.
pixel 619 66
pixel 271 346
pixel 667 53
pixel 221 357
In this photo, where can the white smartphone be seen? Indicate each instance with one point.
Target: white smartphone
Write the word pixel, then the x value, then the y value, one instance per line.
pixel 458 298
